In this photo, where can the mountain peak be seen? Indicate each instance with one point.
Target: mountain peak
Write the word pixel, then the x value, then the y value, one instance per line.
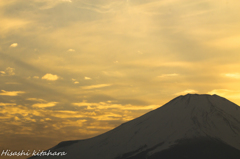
pixel 200 100
pixel 199 95
pixel 193 118
pixel 201 104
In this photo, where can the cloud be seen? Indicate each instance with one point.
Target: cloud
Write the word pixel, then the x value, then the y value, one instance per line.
pixel 44 105
pixel 50 77
pixel 107 111
pixel 36 99
pixel 11 24
pixel 109 105
pixel 11 93
pixel 71 50
pixel 101 8
pixel 7 104
pixel 74 123
pixel 87 78
pixel 233 75
pixel 67 1
pixel 96 126
pixel 36 77
pixel 14 45
pixel 48 4
pixel 191 91
pixel 12 110
pixel 226 93
pixel 96 86
pixel 2 73
pixel 75 81
pixel 113 73
pixel 109 116
pixel 67 114
pixel 8 72
pixel 168 75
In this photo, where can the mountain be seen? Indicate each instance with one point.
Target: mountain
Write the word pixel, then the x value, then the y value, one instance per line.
pixel 188 127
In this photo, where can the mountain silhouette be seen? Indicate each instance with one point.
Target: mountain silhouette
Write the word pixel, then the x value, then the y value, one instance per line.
pixel 192 126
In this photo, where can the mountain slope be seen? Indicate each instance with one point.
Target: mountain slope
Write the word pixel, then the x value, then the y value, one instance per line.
pixel 187 125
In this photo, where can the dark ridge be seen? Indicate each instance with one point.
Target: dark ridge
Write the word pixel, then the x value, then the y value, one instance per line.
pixel 195 94
pixel 60 145
pixel 198 148
pixel 132 152
pixel 64 143
pixel 141 155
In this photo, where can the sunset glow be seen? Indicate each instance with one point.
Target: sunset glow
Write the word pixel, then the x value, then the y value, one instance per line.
pixel 73 69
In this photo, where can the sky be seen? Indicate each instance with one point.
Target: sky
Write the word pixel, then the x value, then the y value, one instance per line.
pixel 73 69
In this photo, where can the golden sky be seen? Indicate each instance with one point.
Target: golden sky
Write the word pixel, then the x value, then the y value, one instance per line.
pixel 73 69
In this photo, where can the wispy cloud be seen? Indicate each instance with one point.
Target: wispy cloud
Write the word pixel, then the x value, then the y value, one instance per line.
pixel 50 77
pixel 75 81
pixel 103 105
pixel 36 77
pixel 8 72
pixel 48 4
pixel 11 24
pixel 11 111
pixel 233 94
pixel 45 105
pixel 14 45
pixel 108 116
pixel 168 75
pixel 87 78
pixel 233 75
pixel 113 73
pixel 67 1
pixel 11 93
pixel 7 104
pixel 191 91
pixel 67 114
pixel 96 86
pixel 2 73
pixel 71 50
pixel 36 99
pixel 111 7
